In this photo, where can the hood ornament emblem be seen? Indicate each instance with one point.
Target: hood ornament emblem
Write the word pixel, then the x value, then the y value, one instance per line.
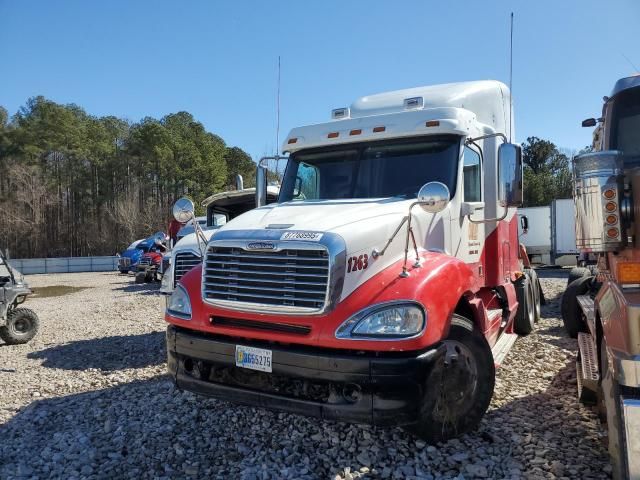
pixel 261 246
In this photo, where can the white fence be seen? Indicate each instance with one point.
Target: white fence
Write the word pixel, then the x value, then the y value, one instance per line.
pixel 64 265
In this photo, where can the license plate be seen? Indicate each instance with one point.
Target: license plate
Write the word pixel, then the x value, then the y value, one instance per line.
pixel 253 358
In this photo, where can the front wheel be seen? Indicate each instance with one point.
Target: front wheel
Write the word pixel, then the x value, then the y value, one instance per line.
pixel 459 387
pixel 22 325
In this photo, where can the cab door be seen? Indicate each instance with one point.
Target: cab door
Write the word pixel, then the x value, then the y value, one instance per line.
pixel 472 228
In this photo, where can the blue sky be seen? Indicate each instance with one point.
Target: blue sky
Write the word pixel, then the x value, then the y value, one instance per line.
pixel 218 60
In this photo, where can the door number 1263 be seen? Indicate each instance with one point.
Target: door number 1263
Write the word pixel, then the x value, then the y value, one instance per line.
pixel 357 263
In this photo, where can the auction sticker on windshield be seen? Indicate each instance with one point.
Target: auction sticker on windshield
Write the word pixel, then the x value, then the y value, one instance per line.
pixel 253 358
pixel 308 236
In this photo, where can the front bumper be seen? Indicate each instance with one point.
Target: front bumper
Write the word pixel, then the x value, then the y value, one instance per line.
pixel 324 383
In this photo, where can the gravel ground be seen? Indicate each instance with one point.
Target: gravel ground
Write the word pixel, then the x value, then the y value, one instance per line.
pixel 89 398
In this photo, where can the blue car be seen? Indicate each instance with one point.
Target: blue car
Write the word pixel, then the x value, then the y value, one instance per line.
pixel 131 256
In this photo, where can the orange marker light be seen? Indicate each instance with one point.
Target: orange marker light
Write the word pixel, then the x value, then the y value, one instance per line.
pixel 379 129
pixel 292 140
pixel 333 135
pixel 611 219
pixel 356 131
pixel 628 272
pixel 612 232
pixel 611 207
pixel 609 193
pixel 432 123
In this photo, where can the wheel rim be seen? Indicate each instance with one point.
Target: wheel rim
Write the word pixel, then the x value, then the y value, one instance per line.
pixel 21 326
pixel 458 381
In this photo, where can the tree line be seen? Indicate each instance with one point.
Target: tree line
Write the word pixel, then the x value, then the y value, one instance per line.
pixel 74 184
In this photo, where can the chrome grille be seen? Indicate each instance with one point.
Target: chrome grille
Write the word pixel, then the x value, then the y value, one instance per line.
pixel 145 261
pixel 293 278
pixel 185 261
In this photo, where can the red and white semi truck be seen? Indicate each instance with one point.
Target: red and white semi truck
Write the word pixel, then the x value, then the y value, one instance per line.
pixel 601 306
pixel 377 287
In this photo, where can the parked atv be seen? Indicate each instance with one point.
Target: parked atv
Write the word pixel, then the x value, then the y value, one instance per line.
pixel 149 265
pixel 17 325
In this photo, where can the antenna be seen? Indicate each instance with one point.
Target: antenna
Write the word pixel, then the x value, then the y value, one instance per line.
pixel 630 62
pixel 511 79
pixel 278 112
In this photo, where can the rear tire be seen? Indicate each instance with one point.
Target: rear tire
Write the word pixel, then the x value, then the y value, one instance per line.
pixel 22 325
pixel 124 272
pixel 525 316
pixel 459 387
pixel 140 277
pixel 571 313
pixel 576 273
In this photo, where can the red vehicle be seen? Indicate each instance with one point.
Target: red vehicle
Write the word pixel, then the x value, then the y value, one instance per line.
pixel 384 281
pixel 149 264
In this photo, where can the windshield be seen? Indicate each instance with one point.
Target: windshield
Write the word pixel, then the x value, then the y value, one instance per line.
pixel 390 168
pixel 626 122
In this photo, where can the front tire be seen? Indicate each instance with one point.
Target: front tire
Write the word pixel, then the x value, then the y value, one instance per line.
pixel 22 325
pixel 459 386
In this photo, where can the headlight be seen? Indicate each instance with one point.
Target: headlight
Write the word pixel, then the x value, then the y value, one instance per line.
pixel 178 304
pixel 166 285
pixel 384 321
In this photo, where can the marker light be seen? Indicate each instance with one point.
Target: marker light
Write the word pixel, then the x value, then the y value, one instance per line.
pixel 610 207
pixel 432 123
pixel 628 272
pixel 609 193
pixel 379 129
pixel 612 233
pixel 611 219
pixel 356 131
pixel 292 140
pixel 333 135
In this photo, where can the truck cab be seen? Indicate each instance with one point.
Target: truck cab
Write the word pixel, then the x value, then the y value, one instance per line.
pixel 375 289
pixel 601 307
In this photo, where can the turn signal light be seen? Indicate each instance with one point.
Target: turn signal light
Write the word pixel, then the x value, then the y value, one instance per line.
pixel 333 135
pixel 611 219
pixel 609 193
pixel 612 233
pixel 628 272
pixel 610 207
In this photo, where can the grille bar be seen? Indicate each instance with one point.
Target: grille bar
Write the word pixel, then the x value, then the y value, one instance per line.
pixel 269 265
pixel 258 272
pixel 292 278
pixel 288 281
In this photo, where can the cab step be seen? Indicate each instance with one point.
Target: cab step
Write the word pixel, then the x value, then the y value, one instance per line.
pixel 587 374
pixel 502 347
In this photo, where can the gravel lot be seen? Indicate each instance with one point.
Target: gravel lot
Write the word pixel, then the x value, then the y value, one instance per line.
pixel 89 398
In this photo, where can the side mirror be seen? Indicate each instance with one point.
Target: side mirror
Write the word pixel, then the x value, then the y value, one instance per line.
pixel 183 210
pixel 524 223
pixel 434 197
pixel 510 193
pixel 261 186
pixel 589 122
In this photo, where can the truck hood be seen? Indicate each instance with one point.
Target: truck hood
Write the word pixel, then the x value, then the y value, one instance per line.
pixel 319 216
pixel 190 243
pixel 364 225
